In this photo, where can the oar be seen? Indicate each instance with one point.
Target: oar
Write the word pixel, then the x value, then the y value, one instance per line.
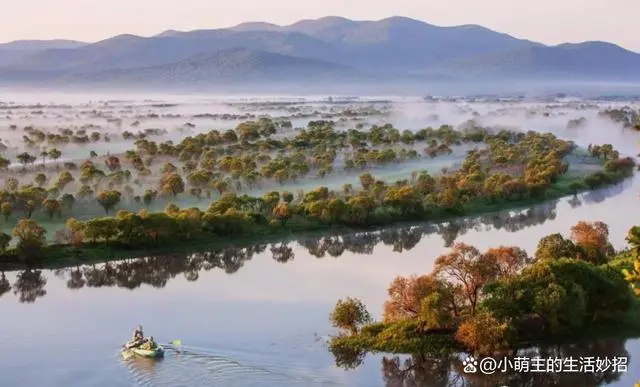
pixel 175 343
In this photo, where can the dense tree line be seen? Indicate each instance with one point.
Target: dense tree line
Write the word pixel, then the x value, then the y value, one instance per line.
pixel 158 270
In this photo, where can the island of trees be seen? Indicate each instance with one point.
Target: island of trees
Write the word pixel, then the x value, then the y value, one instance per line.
pixel 499 300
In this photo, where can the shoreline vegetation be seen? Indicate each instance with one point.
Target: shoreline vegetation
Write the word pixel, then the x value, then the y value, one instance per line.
pixel 512 169
pixel 499 301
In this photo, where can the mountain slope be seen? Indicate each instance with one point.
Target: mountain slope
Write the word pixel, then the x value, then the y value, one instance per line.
pixel 38 45
pixel 223 66
pixel 598 60
pixel 130 51
pixel 399 41
pixel 13 51
pixel 390 48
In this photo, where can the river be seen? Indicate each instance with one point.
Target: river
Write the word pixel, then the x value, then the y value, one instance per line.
pixel 258 316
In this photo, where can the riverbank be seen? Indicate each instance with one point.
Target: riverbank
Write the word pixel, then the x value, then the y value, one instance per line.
pixel 297 227
pixel 408 337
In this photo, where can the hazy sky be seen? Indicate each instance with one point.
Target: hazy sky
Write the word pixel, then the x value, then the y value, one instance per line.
pixel 547 21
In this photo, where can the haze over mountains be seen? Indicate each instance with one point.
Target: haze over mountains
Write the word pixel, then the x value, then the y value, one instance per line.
pixel 330 48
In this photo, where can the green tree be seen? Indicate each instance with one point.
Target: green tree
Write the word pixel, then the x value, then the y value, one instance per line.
pixel 349 314
pixel 68 201
pixel 5 240
pixel 11 184
pixel 54 154
pixel 51 207
pixel 7 209
pixel 85 192
pixel 633 275
pixel 366 180
pixel 109 199
pixel 149 196
pixel 31 239
pixel 25 158
pixel 172 184
pixel 41 179
pixel 29 207
pixel 4 164
pixel 555 246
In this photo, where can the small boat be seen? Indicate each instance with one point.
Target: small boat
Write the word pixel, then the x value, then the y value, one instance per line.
pixel 155 353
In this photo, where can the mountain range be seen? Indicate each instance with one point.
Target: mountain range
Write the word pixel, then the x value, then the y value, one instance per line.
pixel 320 49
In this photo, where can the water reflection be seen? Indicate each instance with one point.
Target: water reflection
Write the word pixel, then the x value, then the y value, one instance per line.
pixel 29 285
pixel 424 370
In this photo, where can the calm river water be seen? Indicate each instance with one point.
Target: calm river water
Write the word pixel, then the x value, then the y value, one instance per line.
pixel 258 316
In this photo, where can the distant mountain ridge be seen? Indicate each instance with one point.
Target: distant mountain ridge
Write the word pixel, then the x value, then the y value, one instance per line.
pixel 224 66
pixel 386 48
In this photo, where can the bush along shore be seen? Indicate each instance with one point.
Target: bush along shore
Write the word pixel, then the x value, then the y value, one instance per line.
pixel 515 169
pixel 493 302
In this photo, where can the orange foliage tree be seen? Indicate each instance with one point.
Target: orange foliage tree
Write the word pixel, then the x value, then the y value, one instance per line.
pixel 593 240
pixel 406 296
pixel 467 267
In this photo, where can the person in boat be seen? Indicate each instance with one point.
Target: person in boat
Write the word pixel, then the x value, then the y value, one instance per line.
pixel 138 337
pixel 149 344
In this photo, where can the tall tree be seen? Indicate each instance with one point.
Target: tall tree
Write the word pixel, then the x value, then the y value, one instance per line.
pixel 31 239
pixel 109 199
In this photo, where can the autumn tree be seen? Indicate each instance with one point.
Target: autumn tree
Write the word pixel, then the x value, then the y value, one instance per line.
pixel 593 240
pixel 287 197
pixel 31 239
pixel 483 334
pixel 113 163
pixel 282 212
pixel 349 314
pixel 76 231
pixel 510 259
pixel 109 199
pixel 434 302
pixel 466 266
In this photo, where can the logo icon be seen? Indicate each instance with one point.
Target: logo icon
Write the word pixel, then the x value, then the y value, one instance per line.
pixel 470 365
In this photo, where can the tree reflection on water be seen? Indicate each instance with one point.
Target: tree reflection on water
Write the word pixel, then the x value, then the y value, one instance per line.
pixel 158 270
pixel 447 371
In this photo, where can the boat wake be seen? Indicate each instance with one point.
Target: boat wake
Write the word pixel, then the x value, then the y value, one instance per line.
pixel 191 366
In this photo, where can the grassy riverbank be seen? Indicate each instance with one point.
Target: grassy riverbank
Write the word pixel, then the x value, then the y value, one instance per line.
pixel 408 337
pixel 298 227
